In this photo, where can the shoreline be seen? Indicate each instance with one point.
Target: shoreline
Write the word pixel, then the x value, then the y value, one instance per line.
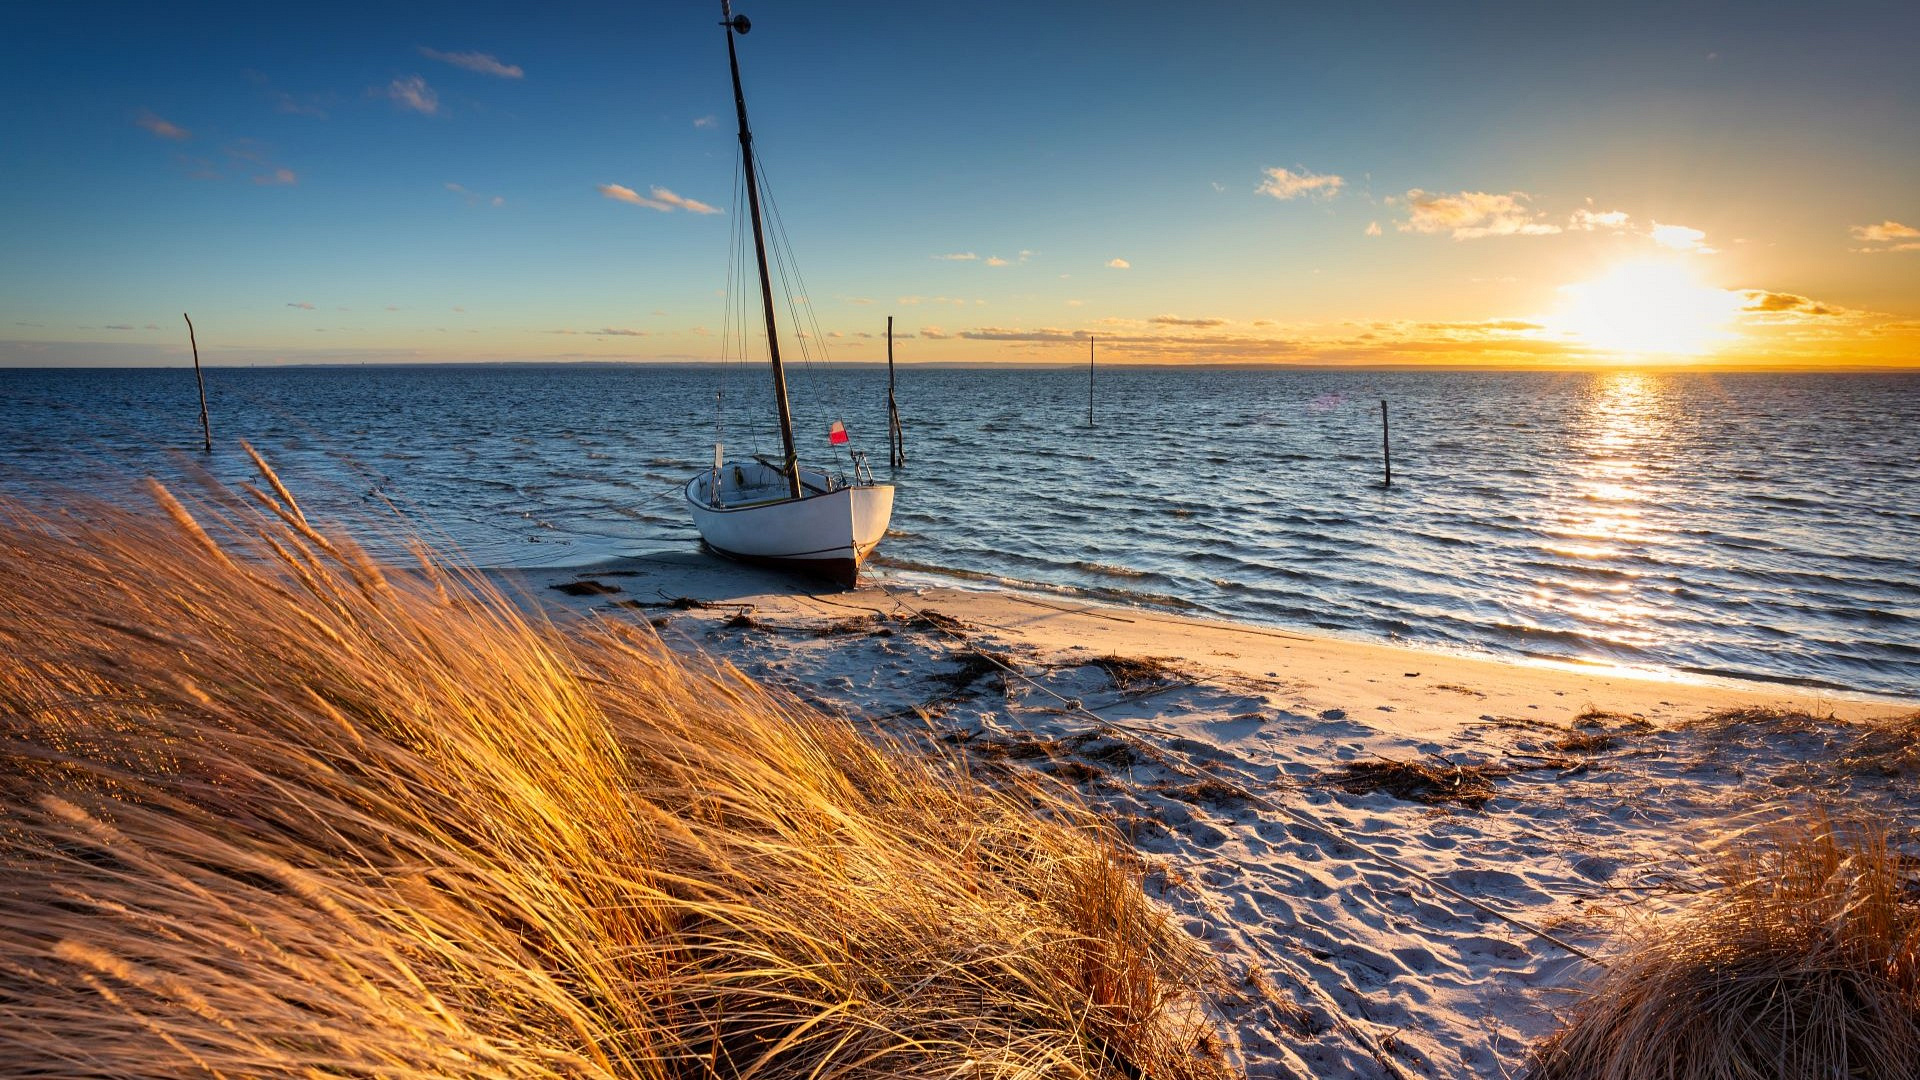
pixel 1449 686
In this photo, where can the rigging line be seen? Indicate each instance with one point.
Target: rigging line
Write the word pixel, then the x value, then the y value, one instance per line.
pixel 812 322
pixel 726 314
pixel 757 433
pixel 1299 816
pixel 806 294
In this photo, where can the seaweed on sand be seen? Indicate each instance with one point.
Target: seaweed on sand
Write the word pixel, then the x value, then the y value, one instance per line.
pixel 1417 781
pixel 1132 673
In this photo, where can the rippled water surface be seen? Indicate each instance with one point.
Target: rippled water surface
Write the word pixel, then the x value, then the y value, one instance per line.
pixel 1761 525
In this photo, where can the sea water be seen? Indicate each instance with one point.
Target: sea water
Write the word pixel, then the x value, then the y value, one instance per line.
pixel 1756 525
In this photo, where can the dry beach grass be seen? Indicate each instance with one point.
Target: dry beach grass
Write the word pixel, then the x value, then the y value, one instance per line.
pixel 267 810
pixel 1804 962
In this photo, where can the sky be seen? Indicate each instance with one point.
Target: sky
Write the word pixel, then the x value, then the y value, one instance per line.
pixel 1367 184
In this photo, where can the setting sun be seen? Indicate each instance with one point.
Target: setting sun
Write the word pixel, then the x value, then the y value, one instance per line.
pixel 1647 308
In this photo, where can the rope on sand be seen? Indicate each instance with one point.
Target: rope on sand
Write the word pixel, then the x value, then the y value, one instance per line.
pixel 1128 732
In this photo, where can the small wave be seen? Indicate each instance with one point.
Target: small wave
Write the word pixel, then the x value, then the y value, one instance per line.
pixel 1109 571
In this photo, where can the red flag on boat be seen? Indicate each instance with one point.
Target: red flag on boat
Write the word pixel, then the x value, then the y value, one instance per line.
pixel 837 434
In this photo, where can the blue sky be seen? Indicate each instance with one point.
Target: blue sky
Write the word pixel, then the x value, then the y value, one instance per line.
pixel 430 182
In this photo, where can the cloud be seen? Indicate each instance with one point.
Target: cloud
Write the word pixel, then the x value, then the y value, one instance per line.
pixel 662 200
pixel 1285 184
pixel 1679 238
pixel 1175 320
pixel 474 198
pixel 1043 334
pixel 615 331
pixel 301 304
pixel 475 61
pixel 1893 235
pixel 163 128
pixel 856 299
pixel 304 105
pixel 706 121
pixel 622 193
pixel 912 301
pixel 692 206
pixel 1373 228
pixel 277 177
pixel 996 260
pixel 1885 232
pixel 117 326
pixel 933 332
pixel 1471 215
pixel 1119 264
pixel 1585 220
pixel 413 93
pixel 1765 302
pixel 962 256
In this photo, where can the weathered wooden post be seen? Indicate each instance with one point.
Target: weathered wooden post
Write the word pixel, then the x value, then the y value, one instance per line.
pixel 896 438
pixel 206 432
pixel 1089 380
pixel 1386 451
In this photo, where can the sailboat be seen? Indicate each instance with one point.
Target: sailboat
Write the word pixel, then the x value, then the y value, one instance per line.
pixel 781 513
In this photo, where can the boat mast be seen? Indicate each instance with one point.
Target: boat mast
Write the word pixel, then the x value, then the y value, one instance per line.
pixel 740 25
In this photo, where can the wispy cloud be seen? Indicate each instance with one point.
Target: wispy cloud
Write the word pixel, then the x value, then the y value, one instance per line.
pixel 277 177
pixel 692 206
pixel 474 198
pixel 412 92
pixel 301 304
pixel 1119 264
pixel 481 62
pixel 1286 184
pixel 915 301
pixel 607 331
pixel 995 260
pixel 1175 320
pixel 856 299
pixel 313 105
pixel 706 121
pixel 661 199
pixel 1471 215
pixel 162 127
pixel 1680 238
pixel 1373 228
pixel 959 256
pixel 1586 219
pixel 1044 334
pixel 1887 236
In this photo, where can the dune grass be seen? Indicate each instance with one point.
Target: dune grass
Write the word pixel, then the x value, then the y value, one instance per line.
pixel 1805 962
pixel 268 810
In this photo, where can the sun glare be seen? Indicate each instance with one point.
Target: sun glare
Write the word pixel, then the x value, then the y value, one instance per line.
pixel 1649 308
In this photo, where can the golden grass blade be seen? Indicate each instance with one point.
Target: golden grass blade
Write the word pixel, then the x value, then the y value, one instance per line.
pixel 266 810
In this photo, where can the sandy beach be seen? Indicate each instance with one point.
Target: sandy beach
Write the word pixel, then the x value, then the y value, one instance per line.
pixel 1559 803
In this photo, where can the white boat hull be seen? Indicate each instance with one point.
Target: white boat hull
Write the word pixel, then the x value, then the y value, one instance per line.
pixel 826 532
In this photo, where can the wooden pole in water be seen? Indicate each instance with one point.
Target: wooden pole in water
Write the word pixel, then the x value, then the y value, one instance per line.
pixel 896 438
pixel 206 432
pixel 1089 380
pixel 1386 452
